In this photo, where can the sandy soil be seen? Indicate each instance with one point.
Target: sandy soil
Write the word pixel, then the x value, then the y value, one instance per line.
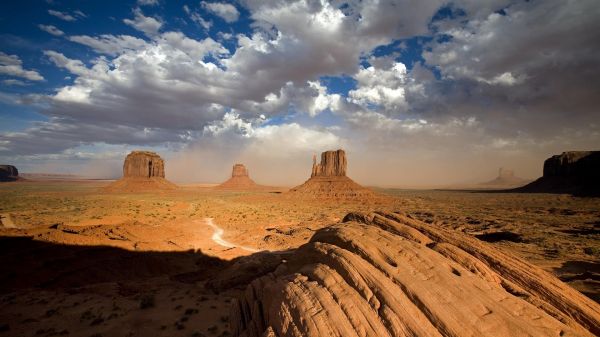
pixel 84 262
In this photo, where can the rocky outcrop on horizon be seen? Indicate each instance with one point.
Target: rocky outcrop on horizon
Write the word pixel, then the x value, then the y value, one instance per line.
pixel 240 179
pixel 506 178
pixel 142 170
pixel 573 172
pixel 8 173
pixel 328 179
pixel 388 274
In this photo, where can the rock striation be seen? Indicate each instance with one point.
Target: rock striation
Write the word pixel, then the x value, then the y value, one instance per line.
pixel 506 178
pixel 142 170
pixel 240 179
pixel 574 172
pixel 387 274
pixel 8 173
pixel 328 179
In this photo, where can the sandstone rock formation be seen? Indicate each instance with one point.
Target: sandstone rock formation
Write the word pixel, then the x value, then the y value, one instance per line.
pixel 506 178
pixel 387 274
pixel 142 170
pixel 575 172
pixel 328 179
pixel 8 173
pixel 240 179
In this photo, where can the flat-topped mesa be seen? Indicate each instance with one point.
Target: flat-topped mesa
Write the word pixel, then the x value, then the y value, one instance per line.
pixel 142 171
pixel 574 172
pixel 8 173
pixel 328 179
pixel 240 180
pixel 333 163
pixel 144 164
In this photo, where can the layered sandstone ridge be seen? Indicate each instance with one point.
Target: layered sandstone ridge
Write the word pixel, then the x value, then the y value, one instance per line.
pixel 142 171
pixel 8 173
pixel 387 274
pixel 575 172
pixel 328 179
pixel 240 179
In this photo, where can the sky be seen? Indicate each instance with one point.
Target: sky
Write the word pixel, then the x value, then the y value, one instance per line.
pixel 419 93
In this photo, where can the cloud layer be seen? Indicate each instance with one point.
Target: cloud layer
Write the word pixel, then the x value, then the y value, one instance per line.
pixel 490 84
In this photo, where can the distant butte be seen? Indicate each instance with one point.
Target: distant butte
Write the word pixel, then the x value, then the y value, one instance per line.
pixel 142 171
pixel 572 172
pixel 328 179
pixel 9 173
pixel 506 178
pixel 240 179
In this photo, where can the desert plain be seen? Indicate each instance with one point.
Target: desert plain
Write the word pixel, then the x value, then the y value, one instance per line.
pixel 81 260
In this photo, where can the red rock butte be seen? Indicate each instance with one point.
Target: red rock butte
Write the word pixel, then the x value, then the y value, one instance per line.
pixel 328 179
pixel 142 170
pixel 240 179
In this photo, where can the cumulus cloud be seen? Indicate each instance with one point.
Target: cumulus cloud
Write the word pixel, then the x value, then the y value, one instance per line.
pixel 145 24
pixel 12 65
pixel 226 11
pixel 51 30
pixel 484 93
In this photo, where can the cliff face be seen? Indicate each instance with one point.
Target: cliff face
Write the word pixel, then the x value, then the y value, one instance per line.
pixel 574 172
pixel 143 164
pixel 328 179
pixel 333 164
pixel 387 274
pixel 8 173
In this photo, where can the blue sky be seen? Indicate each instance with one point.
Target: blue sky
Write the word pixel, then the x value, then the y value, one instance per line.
pixel 435 88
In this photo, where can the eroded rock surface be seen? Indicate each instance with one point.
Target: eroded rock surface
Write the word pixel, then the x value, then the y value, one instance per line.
pixel 575 172
pixel 142 170
pixel 328 179
pixel 8 173
pixel 240 179
pixel 387 274
pixel 143 164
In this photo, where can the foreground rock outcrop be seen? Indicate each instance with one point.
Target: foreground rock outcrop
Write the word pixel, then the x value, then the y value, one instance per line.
pixel 8 173
pixel 142 170
pixel 240 179
pixel 574 172
pixel 387 274
pixel 506 178
pixel 328 179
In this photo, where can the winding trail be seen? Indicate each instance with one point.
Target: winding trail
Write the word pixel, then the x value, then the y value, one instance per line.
pixel 217 237
pixel 6 221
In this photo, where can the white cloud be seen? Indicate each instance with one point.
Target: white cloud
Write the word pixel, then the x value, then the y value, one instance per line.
pixel 381 87
pixel 226 11
pixel 147 2
pixel 110 44
pixel 62 15
pixel 148 25
pixel 12 65
pixel 51 30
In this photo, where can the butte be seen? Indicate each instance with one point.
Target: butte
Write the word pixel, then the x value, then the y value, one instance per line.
pixel 240 180
pixel 142 171
pixel 328 179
